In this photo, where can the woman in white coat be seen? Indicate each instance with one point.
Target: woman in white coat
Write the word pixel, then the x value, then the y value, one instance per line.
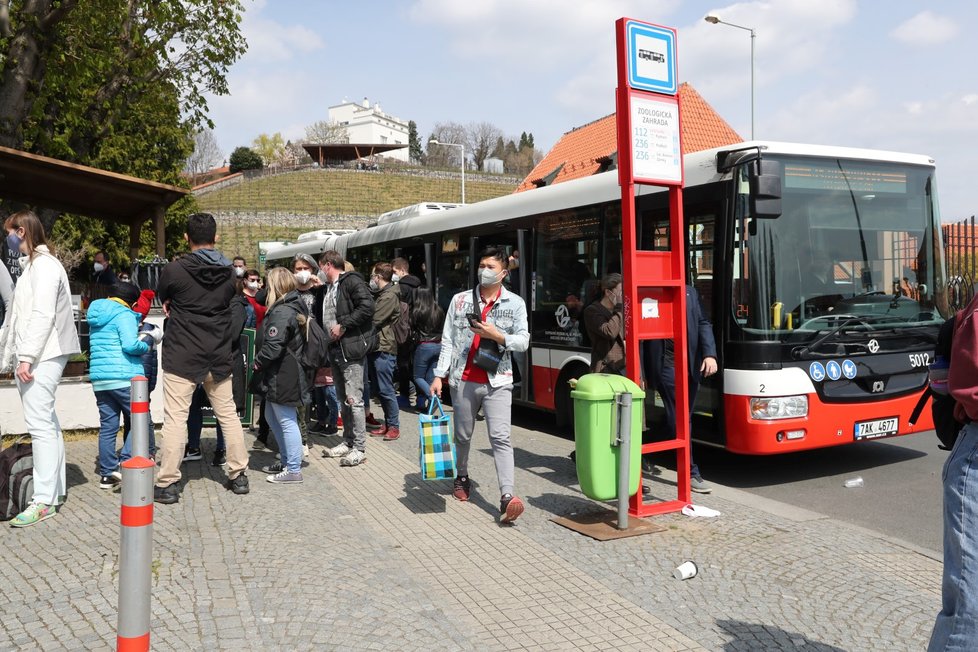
pixel 40 338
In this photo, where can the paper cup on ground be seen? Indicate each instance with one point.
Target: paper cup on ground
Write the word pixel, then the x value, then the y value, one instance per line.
pixel 685 570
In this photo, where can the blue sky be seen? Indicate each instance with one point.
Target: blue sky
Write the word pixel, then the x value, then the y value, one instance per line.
pixel 894 74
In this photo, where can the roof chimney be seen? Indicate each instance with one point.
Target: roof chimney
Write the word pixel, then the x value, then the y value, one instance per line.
pixel 366 102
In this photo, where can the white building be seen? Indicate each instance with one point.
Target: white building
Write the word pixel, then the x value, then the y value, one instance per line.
pixel 367 124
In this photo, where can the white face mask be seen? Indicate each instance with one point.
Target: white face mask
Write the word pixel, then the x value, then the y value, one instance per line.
pixel 252 285
pixel 303 277
pixel 373 285
pixel 488 277
pixel 98 267
pixel 239 271
pixel 395 278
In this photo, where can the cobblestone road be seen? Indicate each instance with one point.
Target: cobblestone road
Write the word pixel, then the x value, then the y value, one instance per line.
pixel 373 558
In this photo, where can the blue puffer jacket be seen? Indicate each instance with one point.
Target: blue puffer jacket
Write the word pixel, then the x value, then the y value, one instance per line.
pixel 116 348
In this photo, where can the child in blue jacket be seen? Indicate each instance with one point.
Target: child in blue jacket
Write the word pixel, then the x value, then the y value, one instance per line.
pixel 116 358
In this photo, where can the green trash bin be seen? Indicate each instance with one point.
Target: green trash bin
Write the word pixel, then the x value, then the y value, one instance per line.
pixel 595 429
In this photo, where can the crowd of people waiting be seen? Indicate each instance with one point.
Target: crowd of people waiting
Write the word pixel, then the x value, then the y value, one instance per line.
pixel 377 333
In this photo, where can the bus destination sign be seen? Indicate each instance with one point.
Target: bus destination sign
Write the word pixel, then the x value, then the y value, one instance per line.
pixel 656 152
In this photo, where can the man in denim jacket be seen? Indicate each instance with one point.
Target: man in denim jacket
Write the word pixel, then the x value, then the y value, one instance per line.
pixel 502 319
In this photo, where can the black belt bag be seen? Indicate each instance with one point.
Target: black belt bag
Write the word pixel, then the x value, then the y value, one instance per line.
pixel 488 356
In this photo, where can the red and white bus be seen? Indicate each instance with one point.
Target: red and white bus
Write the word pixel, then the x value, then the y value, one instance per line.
pixel 825 312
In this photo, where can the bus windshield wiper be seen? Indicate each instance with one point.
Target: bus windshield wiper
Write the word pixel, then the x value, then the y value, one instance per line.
pixel 801 351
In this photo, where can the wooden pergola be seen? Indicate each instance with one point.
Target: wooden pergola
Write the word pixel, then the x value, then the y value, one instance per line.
pixel 342 152
pixel 51 183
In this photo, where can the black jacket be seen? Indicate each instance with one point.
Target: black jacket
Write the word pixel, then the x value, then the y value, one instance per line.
pixel 278 351
pixel 354 312
pixel 197 333
pixel 408 286
pixel 700 344
pixel 239 372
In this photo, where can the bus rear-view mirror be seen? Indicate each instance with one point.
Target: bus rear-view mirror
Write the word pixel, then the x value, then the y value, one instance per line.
pixel 765 189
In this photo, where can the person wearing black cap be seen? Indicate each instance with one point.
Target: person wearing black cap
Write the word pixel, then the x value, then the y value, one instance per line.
pixel 116 358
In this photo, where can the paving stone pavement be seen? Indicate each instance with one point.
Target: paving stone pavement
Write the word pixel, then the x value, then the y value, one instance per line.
pixel 374 558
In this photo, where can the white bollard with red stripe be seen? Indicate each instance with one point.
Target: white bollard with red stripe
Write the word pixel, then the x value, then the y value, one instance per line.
pixel 141 420
pixel 136 549
pixel 135 555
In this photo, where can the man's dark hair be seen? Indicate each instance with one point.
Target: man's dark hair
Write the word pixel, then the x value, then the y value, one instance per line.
pixel 237 258
pixel 401 263
pixel 201 229
pixel 252 272
pixel 333 258
pixel 495 253
pixel 384 271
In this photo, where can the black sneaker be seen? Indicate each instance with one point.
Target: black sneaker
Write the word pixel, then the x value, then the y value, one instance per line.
pixel 110 481
pixel 330 430
pixel 462 488
pixel 316 428
pixel 510 507
pixel 220 458
pixel 166 495
pixel 192 455
pixel 239 485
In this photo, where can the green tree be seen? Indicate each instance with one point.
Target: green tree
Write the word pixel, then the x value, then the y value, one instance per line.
pixel 271 149
pixel 415 152
pixel 244 158
pixel 499 151
pixel 116 84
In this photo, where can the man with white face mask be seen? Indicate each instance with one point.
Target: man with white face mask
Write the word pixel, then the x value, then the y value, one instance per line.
pixel 240 266
pixel 488 313
pixel 102 273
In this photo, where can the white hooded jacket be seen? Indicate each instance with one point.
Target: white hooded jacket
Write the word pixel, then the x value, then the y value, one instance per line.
pixel 43 322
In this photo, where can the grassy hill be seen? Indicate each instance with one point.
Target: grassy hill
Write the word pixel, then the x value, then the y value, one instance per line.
pixel 349 192
pixel 281 206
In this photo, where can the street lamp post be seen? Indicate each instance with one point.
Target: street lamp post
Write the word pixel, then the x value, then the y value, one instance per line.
pixel 462 146
pixel 714 19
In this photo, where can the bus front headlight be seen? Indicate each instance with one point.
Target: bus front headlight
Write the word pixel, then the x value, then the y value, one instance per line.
pixel 779 407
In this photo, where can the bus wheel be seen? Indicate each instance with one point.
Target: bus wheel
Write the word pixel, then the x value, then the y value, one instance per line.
pixel 563 403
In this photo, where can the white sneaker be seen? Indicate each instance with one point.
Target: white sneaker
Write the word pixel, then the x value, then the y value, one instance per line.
pixel 305 450
pixel 353 458
pixel 337 451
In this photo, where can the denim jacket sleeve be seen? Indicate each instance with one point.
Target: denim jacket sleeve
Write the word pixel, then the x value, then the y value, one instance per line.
pixel 509 316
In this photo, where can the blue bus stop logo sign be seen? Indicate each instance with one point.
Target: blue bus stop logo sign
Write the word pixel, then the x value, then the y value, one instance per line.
pixel 651 55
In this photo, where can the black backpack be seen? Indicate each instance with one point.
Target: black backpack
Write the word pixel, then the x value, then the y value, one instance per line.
pixel 16 479
pixel 942 403
pixel 314 352
pixel 402 327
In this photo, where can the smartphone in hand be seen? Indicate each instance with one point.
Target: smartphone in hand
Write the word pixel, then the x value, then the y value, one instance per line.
pixel 474 318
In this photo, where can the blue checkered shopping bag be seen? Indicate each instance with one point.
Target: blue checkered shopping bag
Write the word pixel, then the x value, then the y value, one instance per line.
pixel 437 443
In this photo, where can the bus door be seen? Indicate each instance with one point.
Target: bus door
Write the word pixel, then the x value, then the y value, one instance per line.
pixel 700 208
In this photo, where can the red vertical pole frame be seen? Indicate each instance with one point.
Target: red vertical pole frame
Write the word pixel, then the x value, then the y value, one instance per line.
pixel 629 242
pixel 678 234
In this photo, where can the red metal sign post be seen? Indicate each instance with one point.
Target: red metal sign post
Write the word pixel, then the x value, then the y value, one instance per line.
pixel 650 152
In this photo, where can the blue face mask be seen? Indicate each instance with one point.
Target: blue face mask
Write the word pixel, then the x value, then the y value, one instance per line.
pixel 13 243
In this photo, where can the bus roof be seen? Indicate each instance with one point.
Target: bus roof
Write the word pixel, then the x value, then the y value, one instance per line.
pixel 700 168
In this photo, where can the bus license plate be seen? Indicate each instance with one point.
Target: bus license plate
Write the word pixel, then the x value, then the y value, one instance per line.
pixel 877 428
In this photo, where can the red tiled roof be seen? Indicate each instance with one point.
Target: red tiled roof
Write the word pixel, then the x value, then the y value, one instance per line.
pixel 580 151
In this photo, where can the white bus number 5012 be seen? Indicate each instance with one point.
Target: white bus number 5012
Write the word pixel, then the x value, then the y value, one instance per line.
pixel 919 359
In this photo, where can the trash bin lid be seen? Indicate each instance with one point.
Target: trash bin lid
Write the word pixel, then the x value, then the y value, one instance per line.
pixel 604 387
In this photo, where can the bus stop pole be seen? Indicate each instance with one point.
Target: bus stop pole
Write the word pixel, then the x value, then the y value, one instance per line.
pixel 624 441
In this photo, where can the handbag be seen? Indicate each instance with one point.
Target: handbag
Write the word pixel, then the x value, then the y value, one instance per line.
pixel 437 446
pixel 487 356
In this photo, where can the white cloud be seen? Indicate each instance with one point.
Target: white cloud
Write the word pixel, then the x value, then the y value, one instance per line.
pixel 926 28
pixel 272 42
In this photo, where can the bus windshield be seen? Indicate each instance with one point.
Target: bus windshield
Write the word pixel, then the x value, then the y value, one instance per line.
pixel 856 247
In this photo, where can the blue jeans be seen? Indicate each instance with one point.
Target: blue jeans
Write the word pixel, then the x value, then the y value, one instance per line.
pixel 283 420
pixel 111 404
pixel 956 627
pixel 381 369
pixel 666 386
pixel 195 422
pixel 425 359
pixel 327 407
